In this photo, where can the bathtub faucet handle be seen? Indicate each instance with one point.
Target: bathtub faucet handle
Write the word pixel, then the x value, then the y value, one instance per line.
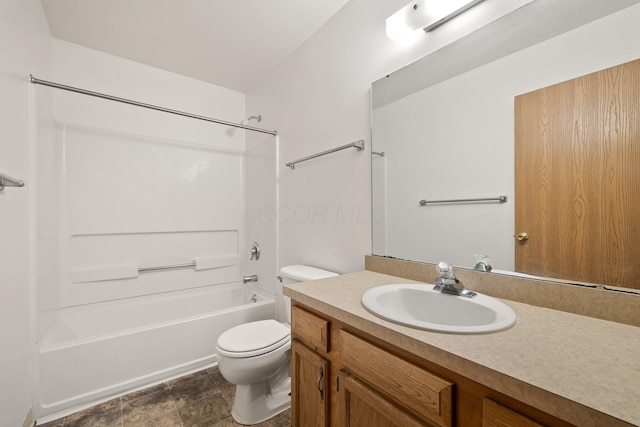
pixel 254 252
pixel 247 279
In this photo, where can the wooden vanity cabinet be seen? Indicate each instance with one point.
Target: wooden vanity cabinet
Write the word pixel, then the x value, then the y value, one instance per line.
pixel 341 379
pixel 361 406
pixel 410 389
pixel 309 397
pixel 310 369
pixel 496 415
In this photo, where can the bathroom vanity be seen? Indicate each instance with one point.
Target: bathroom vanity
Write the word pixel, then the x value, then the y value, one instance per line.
pixel 351 368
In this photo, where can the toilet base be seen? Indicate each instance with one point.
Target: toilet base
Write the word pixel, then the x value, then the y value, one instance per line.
pixel 255 403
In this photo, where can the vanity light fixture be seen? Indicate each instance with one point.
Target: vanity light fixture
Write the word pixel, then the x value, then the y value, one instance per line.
pixel 425 14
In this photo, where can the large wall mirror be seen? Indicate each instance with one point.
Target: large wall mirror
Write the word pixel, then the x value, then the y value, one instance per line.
pixel 443 130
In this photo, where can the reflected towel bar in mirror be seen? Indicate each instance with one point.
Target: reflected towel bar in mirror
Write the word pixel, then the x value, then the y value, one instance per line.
pixel 499 199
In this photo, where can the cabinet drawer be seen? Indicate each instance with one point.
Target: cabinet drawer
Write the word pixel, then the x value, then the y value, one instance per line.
pixel 407 385
pixel 496 415
pixel 311 329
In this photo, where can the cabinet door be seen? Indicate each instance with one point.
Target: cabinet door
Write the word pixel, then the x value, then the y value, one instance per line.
pixel 496 415
pixel 360 406
pixel 309 385
pixel 408 386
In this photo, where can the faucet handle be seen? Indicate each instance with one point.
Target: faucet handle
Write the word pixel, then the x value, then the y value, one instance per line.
pixel 445 269
pixel 447 282
pixel 482 263
pixel 254 252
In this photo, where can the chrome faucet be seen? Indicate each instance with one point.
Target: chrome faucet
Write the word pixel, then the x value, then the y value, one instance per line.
pixel 447 283
pixel 482 263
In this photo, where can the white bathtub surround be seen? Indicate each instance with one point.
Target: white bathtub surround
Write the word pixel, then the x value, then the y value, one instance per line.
pixel 97 351
pixel 137 186
pixel 132 191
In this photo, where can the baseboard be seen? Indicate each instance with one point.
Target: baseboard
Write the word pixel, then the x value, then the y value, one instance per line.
pixel 28 419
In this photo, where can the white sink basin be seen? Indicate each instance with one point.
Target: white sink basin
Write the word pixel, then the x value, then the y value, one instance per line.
pixel 419 306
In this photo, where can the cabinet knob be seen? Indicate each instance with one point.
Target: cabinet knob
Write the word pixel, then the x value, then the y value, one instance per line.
pixel 523 237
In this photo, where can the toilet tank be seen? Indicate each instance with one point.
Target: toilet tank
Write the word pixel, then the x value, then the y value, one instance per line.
pixel 301 273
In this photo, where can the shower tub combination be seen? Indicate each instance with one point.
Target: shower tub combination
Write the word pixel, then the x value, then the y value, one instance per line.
pixel 92 353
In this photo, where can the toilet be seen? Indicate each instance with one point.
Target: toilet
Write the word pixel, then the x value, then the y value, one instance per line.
pixel 256 357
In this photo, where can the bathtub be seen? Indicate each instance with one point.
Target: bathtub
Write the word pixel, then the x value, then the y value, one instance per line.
pixel 94 352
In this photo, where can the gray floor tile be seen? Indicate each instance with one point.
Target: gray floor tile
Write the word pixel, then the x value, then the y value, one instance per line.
pixel 193 389
pixel 107 414
pixel 144 392
pixel 147 407
pixel 201 399
pixel 205 412
pixel 172 419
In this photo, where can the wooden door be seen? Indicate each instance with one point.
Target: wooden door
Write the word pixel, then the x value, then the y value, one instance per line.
pixel 577 178
pixel 309 386
pixel 360 406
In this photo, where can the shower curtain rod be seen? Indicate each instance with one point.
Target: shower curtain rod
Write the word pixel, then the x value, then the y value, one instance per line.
pixel 150 106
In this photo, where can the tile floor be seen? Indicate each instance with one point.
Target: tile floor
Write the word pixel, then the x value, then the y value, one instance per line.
pixel 202 399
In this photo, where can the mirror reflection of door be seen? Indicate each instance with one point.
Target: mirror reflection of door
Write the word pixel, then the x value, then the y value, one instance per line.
pixel 577 178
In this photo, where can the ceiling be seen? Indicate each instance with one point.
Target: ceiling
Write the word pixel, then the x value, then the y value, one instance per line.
pixel 230 43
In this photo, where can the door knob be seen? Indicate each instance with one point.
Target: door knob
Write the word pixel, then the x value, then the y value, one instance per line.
pixel 523 237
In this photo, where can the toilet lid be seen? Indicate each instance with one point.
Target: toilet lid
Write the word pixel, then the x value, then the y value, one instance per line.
pixel 253 336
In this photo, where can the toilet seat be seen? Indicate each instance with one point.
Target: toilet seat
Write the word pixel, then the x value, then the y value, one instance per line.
pixel 253 339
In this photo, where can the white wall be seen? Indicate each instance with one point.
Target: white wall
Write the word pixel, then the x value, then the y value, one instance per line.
pixel 319 99
pixel 26 48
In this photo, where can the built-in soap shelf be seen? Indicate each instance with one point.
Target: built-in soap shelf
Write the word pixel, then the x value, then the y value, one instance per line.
pixel 134 270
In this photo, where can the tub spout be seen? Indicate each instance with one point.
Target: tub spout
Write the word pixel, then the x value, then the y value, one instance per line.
pixel 247 279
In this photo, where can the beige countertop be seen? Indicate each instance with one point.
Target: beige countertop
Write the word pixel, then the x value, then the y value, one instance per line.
pixel 580 369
